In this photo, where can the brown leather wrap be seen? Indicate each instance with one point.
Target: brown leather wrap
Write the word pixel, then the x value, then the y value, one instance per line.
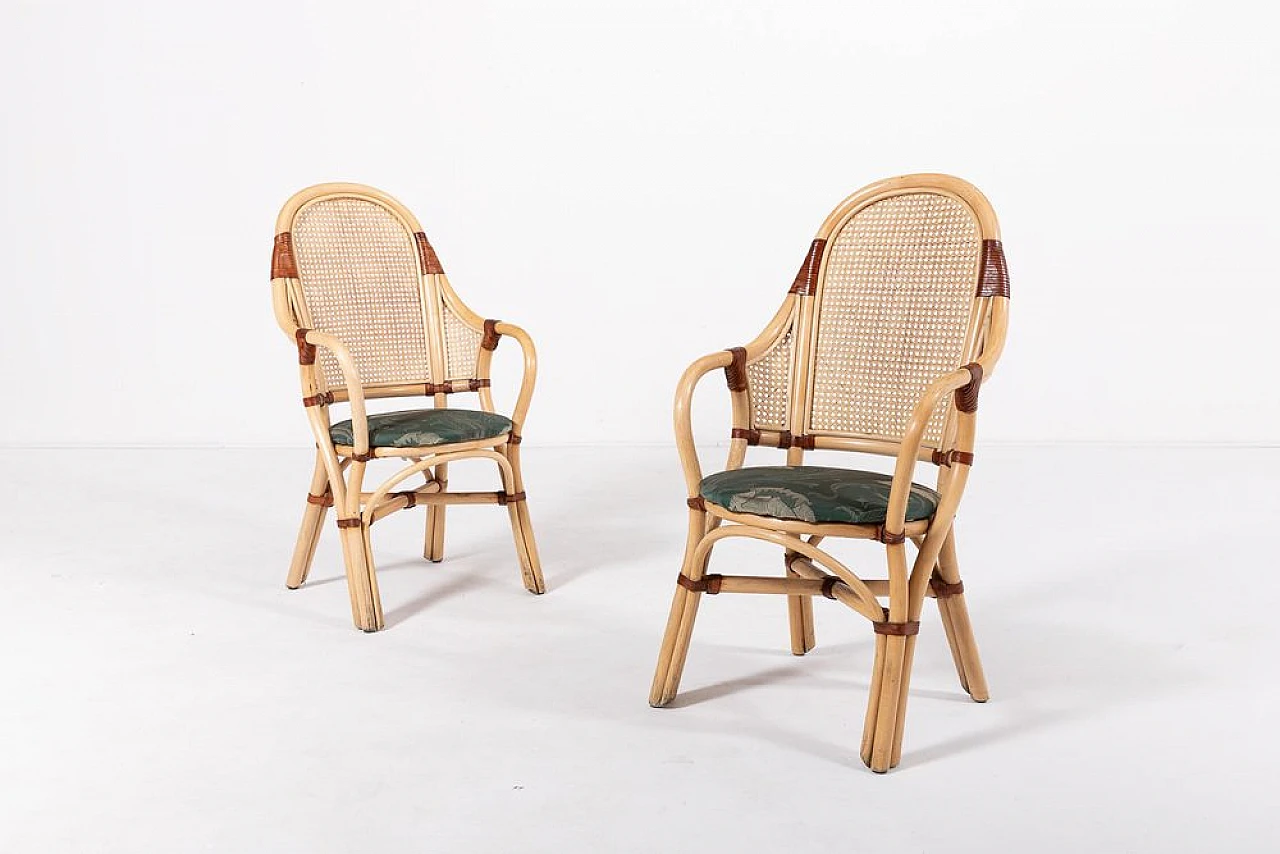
pixel 942 589
pixel 993 279
pixel 324 398
pixel 735 373
pixel 515 439
pixel 967 395
pixel 283 265
pixel 709 584
pixel 890 539
pixel 803 441
pixel 427 257
pixel 829 586
pixel 325 500
pixel 363 458
pixel 505 499
pixel 911 627
pixel 476 385
pixel 946 458
pixel 749 433
pixel 409 494
pixel 491 335
pixel 350 523
pixel 306 352
pixel 806 281
pixel 696 503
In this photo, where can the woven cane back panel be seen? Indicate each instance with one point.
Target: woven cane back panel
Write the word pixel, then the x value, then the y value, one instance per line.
pixel 893 309
pixel 358 268
pixel 461 346
pixel 769 385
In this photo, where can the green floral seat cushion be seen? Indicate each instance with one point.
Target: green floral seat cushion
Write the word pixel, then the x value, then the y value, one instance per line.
pixel 422 428
pixel 813 494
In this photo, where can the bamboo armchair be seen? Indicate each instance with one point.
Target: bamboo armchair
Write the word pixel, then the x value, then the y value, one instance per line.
pixel 359 289
pixel 896 317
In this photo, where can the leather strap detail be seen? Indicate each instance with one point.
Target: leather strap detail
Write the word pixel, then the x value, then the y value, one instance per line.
pixel 806 281
pixel 476 385
pixel 890 539
pixel 829 586
pixel 306 352
pixel 942 589
pixel 363 458
pixel 409 494
pixel 515 439
pixel 907 629
pixel 946 458
pixel 325 500
pixel 351 523
pixel 283 264
pixel 803 441
pixel 505 499
pixel 993 280
pixel 784 439
pixel 751 434
pixel 491 335
pixel 735 373
pixel 697 503
pixel 427 257
pixel 967 395
pixel 324 398
pixel 709 584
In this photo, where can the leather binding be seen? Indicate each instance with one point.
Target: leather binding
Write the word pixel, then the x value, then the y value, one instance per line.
pixel 993 280
pixel 491 335
pixel 283 264
pixel 967 395
pixel 735 373
pixel 505 499
pixel 427 257
pixel 806 282
pixel 306 351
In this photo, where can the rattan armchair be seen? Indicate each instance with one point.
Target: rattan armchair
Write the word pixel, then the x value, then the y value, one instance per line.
pixel 897 315
pixel 359 289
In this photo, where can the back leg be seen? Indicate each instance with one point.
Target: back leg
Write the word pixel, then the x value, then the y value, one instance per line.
pixel 955 619
pixel 800 616
pixel 319 498
pixel 433 540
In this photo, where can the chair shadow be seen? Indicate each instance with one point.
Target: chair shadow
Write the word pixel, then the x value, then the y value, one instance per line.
pixel 455 586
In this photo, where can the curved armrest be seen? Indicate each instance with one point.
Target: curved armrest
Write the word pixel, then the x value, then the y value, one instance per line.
pixel 904 470
pixel 530 370
pixel 351 379
pixel 682 414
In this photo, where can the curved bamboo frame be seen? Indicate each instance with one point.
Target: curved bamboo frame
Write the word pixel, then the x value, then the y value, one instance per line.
pixel 905 588
pixel 340 469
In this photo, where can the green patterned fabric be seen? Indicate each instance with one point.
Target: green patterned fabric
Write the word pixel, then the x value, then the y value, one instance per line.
pixel 422 428
pixel 813 494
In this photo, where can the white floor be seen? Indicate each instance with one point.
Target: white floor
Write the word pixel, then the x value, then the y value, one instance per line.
pixel 164 692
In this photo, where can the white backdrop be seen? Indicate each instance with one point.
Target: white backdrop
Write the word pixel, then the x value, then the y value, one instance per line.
pixel 607 174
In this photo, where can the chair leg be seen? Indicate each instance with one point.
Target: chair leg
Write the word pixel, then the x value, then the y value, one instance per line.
pixel 362 583
pixel 884 705
pixel 433 541
pixel 800 616
pixel 309 533
pixel 955 619
pixel 684 610
pixel 522 529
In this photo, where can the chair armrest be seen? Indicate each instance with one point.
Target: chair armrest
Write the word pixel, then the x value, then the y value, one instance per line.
pixel 682 414
pixel 350 378
pixel 904 469
pixel 530 376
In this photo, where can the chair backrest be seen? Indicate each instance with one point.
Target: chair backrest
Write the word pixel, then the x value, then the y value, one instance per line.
pixel 898 289
pixel 355 263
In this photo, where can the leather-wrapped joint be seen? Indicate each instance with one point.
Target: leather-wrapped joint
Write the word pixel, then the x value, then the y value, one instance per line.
pixel 806 281
pixel 735 373
pixel 505 498
pixel 323 398
pixel 283 263
pixel 428 260
pixel 993 277
pixel 306 351
pixel 514 439
pixel 946 458
pixel 709 584
pixel 967 395
pixel 489 341
pixel 697 503
pixel 410 496
pixel 902 630
pixel 889 538
pixel 751 434
pixel 363 458
pixel 942 589
pixel 324 500
pixel 356 522
pixel 829 586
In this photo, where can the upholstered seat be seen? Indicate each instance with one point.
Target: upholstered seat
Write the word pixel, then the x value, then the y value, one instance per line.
pixel 423 428
pixel 813 494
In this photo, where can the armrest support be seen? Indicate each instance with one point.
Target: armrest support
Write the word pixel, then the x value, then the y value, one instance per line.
pixel 904 470
pixel 350 378
pixel 683 418
pixel 530 369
